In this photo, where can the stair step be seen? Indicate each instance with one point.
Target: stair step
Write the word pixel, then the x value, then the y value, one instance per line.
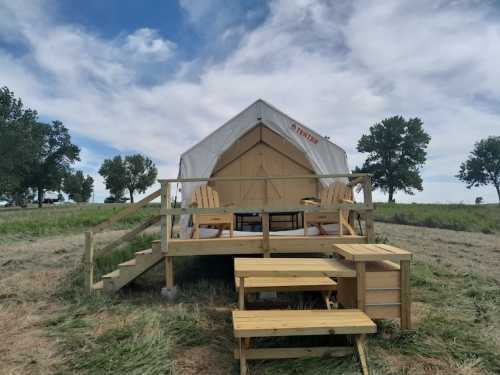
pixel 128 263
pixel 98 285
pixel 144 252
pixel 112 275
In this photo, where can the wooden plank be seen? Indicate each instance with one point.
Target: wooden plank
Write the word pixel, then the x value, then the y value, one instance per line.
pixel 261 209
pixel 129 235
pixel 269 323
pixel 126 212
pixel 405 295
pixel 291 267
pixel 254 245
pixel 384 312
pixel 371 252
pixel 288 353
pixel 299 177
pixel 287 284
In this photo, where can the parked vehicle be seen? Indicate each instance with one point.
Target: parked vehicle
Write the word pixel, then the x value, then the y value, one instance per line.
pixel 112 199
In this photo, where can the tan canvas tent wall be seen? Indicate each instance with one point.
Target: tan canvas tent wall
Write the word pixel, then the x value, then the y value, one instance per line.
pixel 260 141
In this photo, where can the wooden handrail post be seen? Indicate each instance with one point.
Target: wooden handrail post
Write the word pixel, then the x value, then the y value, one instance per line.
pixel 88 261
pixel 367 194
pixel 166 223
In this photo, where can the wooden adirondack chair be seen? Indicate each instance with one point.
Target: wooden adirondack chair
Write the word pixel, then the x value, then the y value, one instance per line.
pixel 206 197
pixel 338 192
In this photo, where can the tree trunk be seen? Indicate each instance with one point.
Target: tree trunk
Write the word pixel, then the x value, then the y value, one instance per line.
pixel 40 197
pixel 391 194
pixel 497 186
pixel 131 192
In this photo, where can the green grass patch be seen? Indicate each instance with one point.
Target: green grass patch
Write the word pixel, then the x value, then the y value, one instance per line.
pixel 34 222
pixel 483 218
pixel 138 332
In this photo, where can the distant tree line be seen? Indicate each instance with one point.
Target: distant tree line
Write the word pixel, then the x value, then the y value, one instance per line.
pixel 396 151
pixel 36 157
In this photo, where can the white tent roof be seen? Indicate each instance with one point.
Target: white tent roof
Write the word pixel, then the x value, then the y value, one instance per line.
pixel 199 161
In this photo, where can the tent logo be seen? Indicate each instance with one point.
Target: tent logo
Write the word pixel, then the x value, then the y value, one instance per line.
pixel 304 133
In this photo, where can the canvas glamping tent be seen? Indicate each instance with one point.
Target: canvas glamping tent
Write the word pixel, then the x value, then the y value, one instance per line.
pixel 260 141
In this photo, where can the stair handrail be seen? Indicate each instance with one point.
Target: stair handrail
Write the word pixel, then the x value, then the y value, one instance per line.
pixel 89 250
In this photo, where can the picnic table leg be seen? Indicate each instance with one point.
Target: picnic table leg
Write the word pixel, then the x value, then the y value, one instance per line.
pixel 361 285
pixel 243 359
pixel 405 295
pixel 360 347
pixel 241 294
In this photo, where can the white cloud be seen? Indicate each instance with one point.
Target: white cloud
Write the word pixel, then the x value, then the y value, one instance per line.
pixel 146 43
pixel 338 67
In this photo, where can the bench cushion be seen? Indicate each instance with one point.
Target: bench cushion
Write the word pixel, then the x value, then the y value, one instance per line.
pixel 286 284
pixel 265 323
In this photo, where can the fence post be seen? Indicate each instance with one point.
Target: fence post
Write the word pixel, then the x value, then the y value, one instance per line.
pixel 166 223
pixel 88 261
pixel 367 193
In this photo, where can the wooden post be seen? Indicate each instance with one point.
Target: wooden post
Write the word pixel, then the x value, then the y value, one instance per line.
pixel 265 234
pixel 241 294
pixel 367 193
pixel 265 222
pixel 88 261
pixel 361 285
pixel 166 223
pixel 243 361
pixel 405 295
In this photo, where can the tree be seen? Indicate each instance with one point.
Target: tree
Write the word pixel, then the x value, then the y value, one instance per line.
pixel 53 157
pixel 78 187
pixel 483 165
pixel 114 174
pixel 141 174
pixel 396 150
pixel 16 144
pixel 134 173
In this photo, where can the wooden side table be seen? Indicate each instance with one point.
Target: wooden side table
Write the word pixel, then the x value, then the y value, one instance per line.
pixel 382 285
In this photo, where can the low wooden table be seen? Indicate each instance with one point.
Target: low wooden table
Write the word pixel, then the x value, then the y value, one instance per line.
pixel 362 253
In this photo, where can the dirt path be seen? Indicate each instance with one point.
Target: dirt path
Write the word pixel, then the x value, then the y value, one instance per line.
pixel 29 273
pixel 459 251
pixel 31 270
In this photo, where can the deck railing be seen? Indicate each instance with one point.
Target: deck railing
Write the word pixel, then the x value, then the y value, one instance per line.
pixel 167 212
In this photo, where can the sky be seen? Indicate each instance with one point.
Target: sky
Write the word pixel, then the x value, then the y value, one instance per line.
pixel 155 77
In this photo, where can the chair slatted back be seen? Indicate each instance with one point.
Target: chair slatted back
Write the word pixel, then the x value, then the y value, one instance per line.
pixel 205 197
pixel 335 193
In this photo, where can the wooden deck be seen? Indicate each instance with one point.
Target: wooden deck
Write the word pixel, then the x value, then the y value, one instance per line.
pixel 257 245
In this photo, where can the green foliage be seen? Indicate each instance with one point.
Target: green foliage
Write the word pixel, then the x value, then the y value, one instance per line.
pixel 34 155
pixel 483 165
pixel 16 143
pixel 135 173
pixel 113 171
pixel 396 150
pixel 78 187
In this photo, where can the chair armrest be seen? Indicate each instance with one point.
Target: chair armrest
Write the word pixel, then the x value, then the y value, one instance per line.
pixel 309 202
pixel 347 201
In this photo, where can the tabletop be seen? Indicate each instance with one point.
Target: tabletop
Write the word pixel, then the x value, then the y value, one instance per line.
pixel 371 252
pixel 291 267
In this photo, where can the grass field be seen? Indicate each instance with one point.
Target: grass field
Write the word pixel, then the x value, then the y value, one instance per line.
pixel 483 218
pixel 34 222
pixel 50 326
pixel 457 326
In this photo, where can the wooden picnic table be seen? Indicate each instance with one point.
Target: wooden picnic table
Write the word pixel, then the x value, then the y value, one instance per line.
pixel 287 267
pixel 362 253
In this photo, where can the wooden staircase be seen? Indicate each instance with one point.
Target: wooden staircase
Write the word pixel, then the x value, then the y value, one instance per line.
pixel 131 269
